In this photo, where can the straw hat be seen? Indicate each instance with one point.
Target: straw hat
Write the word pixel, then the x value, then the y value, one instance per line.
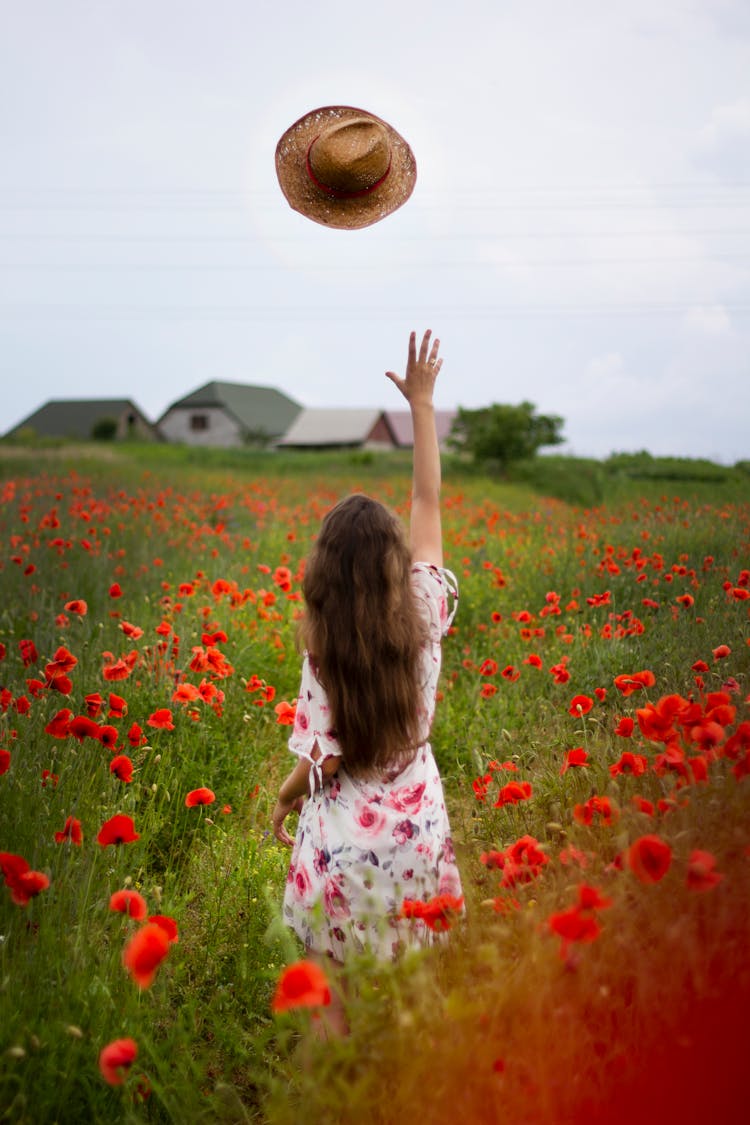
pixel 344 167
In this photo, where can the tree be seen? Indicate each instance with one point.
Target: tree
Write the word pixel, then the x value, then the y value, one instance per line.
pixel 502 433
pixel 104 429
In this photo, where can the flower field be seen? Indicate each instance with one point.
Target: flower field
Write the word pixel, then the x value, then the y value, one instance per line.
pixel 593 733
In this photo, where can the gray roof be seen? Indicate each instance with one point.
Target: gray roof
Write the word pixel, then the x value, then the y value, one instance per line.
pixel 339 426
pixel 255 408
pixel 76 418
pixel 403 430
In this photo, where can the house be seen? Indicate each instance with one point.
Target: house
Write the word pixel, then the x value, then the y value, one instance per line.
pixel 399 423
pixel 340 428
pixel 84 419
pixel 229 414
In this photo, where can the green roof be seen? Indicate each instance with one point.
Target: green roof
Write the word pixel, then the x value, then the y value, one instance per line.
pixel 255 408
pixel 76 418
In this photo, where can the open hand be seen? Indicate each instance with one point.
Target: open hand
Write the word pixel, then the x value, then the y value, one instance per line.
pixel 421 370
pixel 278 816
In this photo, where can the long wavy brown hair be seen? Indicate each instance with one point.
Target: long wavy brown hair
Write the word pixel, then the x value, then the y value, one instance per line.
pixel 363 631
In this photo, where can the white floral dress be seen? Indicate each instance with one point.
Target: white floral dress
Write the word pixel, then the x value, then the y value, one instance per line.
pixel 362 847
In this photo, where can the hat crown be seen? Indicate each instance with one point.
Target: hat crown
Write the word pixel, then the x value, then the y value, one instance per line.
pixel 351 155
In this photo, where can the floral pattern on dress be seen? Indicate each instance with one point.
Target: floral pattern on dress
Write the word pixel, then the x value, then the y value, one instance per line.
pixel 362 846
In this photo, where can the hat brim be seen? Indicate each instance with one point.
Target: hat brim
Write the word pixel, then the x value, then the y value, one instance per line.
pixel 304 196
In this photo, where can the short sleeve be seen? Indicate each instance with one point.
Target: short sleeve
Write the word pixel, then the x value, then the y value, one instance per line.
pixel 436 590
pixel 312 721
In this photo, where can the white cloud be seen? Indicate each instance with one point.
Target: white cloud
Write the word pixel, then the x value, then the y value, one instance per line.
pixel 723 143
pixel 708 320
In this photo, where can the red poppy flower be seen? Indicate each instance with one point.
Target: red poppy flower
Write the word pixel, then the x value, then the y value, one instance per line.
pixel 4 761
pixel 47 775
pixel 580 705
pixel 71 831
pixel 108 735
pixel 301 985
pixel 649 858
pixel 133 631
pixel 78 606
pixel 630 763
pixel 130 903
pixel 574 925
pixel 624 728
pixel 533 660
pixel 119 829
pixel 627 683
pixel 700 873
pixel 721 652
pixel 136 737
pixel 510 673
pixel 185 693
pixel 285 713
pixel 22 883
pixel 591 898
pixel 59 724
pixel 575 757
pixel 512 793
pixel 438 913
pixel 488 690
pixel 200 797
pixel 600 807
pixel 488 667
pixel 116 1059
pixel 83 727
pixel 116 670
pixel 115 590
pixel 118 707
pixel 29 654
pixel 94 704
pixel 122 767
pixel 161 719
pixel 643 805
pixel 145 952
pixel 167 924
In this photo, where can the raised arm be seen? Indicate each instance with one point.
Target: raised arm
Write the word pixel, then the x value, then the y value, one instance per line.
pixel 417 388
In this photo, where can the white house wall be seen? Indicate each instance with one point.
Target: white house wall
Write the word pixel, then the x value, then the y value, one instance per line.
pixel 221 430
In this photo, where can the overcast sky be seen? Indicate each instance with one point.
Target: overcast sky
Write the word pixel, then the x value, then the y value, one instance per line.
pixel 579 235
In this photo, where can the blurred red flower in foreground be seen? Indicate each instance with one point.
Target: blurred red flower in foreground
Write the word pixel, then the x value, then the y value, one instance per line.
pixel 437 913
pixel 119 829
pixel 130 903
pixel 116 1057
pixel 71 831
pixel 572 925
pixel 700 873
pixel 200 797
pixel 167 924
pixel 649 858
pixel 4 761
pixel 145 952
pixel 302 984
